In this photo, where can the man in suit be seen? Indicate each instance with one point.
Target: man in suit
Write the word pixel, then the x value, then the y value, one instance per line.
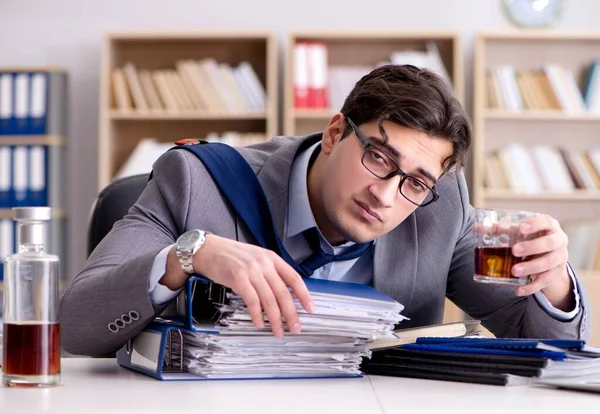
pixel 387 169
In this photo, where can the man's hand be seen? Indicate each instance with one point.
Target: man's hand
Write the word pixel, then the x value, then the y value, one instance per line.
pixel 546 262
pixel 259 276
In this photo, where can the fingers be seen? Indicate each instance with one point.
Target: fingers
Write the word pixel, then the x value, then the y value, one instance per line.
pixel 248 293
pixel 295 282
pixel 538 283
pixel 261 278
pixel 539 223
pixel 284 300
pixel 267 299
pixel 540 264
pixel 541 245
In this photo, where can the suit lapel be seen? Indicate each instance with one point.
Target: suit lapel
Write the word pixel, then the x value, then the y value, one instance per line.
pixel 274 177
pixel 395 262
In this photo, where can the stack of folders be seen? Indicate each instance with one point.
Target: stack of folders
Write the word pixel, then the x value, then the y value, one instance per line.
pixel 487 360
pixel 334 339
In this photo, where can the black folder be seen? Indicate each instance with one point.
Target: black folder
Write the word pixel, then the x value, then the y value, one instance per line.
pixel 461 367
pixel 444 374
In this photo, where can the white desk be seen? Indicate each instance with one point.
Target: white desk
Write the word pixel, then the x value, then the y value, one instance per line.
pixel 100 385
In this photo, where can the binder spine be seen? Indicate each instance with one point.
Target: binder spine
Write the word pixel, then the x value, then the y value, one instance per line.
pixel 171 364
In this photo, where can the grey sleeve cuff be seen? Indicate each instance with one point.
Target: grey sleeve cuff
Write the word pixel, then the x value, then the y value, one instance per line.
pixel 557 313
pixel 160 294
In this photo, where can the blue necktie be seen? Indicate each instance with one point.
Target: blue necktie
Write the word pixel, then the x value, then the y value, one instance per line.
pixel 319 258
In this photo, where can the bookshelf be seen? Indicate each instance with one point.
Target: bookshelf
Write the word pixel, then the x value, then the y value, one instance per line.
pixel 33 146
pixel 342 57
pixel 536 140
pixel 185 81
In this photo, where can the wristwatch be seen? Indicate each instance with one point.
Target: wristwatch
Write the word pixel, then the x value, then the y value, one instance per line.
pixel 187 245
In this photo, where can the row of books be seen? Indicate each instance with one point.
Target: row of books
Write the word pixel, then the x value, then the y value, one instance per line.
pixel 192 85
pixel 25 178
pixel 320 85
pixel 553 87
pixel 540 168
pixel 148 150
pixel 33 103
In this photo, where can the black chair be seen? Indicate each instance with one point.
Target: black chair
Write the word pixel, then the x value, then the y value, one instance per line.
pixel 111 205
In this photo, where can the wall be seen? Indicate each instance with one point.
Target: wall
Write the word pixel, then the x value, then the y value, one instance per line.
pixel 69 32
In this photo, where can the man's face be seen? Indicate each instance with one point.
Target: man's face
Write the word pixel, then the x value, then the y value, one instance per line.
pixel 357 205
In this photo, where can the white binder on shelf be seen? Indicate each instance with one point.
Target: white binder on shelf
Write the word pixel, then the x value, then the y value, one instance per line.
pixel 22 94
pixel 20 184
pixel 37 193
pixel 6 103
pixel 5 176
pixel 38 105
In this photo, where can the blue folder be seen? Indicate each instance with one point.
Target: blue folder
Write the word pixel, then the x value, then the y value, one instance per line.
pixel 516 347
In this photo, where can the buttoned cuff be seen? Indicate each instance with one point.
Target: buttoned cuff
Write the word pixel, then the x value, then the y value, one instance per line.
pixel 558 314
pixel 160 294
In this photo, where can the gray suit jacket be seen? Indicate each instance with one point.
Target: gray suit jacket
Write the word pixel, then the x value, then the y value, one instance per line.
pixel 426 258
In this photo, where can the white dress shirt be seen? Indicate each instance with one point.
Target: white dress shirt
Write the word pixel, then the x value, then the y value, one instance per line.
pixel 299 217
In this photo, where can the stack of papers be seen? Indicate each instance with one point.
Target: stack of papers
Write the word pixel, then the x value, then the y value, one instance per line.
pixel 333 342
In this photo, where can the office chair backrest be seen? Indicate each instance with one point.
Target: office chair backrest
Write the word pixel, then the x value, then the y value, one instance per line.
pixel 111 205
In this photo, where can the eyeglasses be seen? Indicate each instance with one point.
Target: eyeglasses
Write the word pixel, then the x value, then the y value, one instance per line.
pixel 383 166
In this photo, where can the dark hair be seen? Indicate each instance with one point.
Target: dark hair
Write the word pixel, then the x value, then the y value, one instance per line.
pixel 414 98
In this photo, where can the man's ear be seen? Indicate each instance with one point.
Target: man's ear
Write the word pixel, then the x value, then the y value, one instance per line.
pixel 333 132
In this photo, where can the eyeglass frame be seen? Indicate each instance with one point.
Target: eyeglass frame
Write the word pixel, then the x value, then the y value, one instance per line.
pixel 367 145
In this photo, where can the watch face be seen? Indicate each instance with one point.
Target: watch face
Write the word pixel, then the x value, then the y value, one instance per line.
pixel 188 239
pixel 533 13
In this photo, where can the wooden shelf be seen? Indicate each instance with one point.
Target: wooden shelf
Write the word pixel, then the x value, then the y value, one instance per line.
pixel 580 195
pixel 52 140
pixel 588 274
pixel 57 213
pixel 494 128
pixel 56 69
pixel 181 116
pixel 317 114
pixel 528 53
pixel 191 35
pixel 121 131
pixel 365 49
pixel 540 34
pixel 377 35
pixel 491 114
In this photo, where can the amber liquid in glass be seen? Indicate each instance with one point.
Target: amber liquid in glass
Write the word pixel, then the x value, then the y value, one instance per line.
pixel 494 264
pixel 31 349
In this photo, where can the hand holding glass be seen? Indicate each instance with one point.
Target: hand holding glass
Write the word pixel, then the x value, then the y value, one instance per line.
pixel 496 232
